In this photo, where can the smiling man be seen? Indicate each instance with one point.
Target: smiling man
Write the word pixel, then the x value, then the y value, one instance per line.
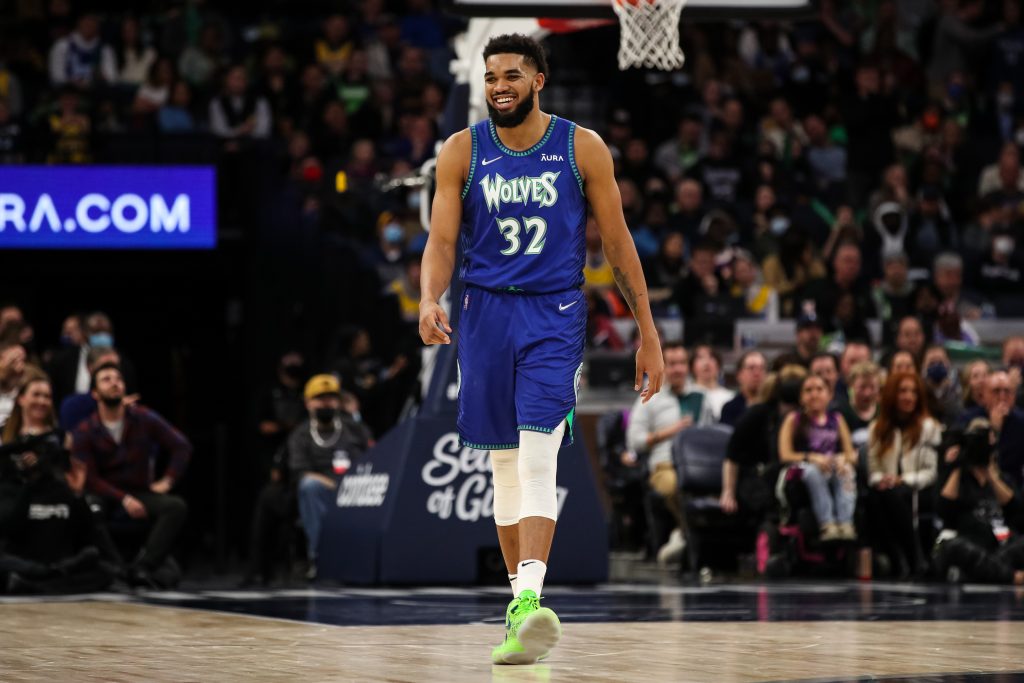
pixel 517 188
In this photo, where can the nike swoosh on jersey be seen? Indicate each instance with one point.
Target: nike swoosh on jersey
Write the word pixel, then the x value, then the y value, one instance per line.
pixel 563 307
pixel 490 161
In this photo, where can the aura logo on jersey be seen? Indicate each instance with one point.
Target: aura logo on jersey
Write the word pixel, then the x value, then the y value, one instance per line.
pixel 102 207
pixel 461 478
pixel 540 190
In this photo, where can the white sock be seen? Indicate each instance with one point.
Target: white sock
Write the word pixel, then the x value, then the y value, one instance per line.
pixel 512 579
pixel 530 575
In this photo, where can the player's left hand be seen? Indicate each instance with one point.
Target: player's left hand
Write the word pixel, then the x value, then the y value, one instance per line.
pixel 649 361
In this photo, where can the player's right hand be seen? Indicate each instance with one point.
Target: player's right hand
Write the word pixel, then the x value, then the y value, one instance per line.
pixel 434 327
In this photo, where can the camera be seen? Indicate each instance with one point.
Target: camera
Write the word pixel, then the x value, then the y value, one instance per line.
pixel 48 447
pixel 977 446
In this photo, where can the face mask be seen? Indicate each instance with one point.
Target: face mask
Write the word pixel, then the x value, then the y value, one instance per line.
pixel 779 225
pixel 325 415
pixel 112 402
pixel 1003 245
pixel 393 233
pixel 101 339
pixel 937 372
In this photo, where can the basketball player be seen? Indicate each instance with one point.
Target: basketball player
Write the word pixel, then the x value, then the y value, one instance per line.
pixel 517 188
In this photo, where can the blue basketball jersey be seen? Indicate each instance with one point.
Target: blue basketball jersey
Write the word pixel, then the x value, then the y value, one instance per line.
pixel 524 215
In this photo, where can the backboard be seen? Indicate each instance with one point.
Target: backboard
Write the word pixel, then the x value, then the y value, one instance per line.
pixel 601 9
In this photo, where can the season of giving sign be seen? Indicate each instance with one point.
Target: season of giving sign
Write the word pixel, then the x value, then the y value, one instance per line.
pixel 457 483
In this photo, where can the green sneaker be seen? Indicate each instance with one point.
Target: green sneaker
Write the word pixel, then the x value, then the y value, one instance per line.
pixel 530 631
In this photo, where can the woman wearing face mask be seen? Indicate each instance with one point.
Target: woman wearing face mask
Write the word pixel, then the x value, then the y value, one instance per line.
pixel 818 441
pixel 943 396
pixel 902 461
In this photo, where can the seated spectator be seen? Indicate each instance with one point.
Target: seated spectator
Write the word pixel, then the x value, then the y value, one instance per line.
pixel 817 441
pixel 930 228
pixel 789 270
pixel 320 451
pixel 751 462
pixel 808 337
pixel 237 113
pixel 973 379
pixel 948 278
pixel 855 352
pixel 1003 176
pixel 12 374
pixel 845 279
pixel 862 406
pixel 759 300
pixel 653 426
pixel 902 361
pixel 69 368
pixel 678 155
pixel 910 337
pixel 117 445
pixel 902 461
pixel 156 91
pixel 706 371
pixel 665 269
pixel 1006 421
pixel 77 407
pixel 69 128
pixel 176 115
pixel 1001 274
pixel 133 58
pixel 688 212
pixel 893 295
pixel 750 374
pixel 1013 361
pixel 942 395
pixel 825 366
pixel 82 59
pixel 951 328
pixel 335 47
pixel 199 63
pixel 977 505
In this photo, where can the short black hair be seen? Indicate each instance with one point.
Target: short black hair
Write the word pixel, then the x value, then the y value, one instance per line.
pixel 825 354
pixel 518 44
pixel 97 371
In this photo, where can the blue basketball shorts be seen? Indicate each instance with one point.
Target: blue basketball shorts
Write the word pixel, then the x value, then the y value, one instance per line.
pixel 520 359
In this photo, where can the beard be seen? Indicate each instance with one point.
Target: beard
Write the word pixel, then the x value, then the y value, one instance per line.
pixel 511 119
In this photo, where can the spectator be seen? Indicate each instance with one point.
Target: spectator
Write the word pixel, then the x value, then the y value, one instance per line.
pixel 870 113
pixel 176 116
pixel 721 172
pixel 855 352
pixel 1001 274
pixel 12 373
pixel 942 395
pixel 677 156
pixel 893 296
pixel 665 269
pixel 973 380
pixel 406 289
pixel 688 214
pixel 862 405
pixel 69 370
pixel 976 503
pixel 1006 421
pixel 117 446
pixel 133 58
pixel 902 461
pixel 950 327
pixel 334 48
pixel 948 274
pixel 826 159
pixel 808 338
pixel 930 229
pixel 653 426
pixel 759 300
pixel 845 279
pixel 818 442
pixel 706 370
pixel 12 136
pixel 750 468
pixel 1013 361
pixel 320 451
pixel 910 337
pixel 902 361
pixel 156 91
pixel 238 114
pixel 69 130
pixel 825 366
pixel 77 407
pixel 795 264
pixel 199 64
pixel 282 407
pixel 703 299
pixel 82 59
pixel 954 37
pixel 750 376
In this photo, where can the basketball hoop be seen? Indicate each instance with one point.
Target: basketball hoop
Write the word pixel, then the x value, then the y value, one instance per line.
pixel 650 33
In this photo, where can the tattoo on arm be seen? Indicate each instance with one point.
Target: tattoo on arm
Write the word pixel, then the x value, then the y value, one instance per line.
pixel 626 288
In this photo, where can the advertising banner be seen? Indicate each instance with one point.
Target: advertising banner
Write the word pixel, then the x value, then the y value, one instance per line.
pixel 108 207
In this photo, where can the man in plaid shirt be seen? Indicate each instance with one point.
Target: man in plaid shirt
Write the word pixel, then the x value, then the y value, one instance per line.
pixel 119 445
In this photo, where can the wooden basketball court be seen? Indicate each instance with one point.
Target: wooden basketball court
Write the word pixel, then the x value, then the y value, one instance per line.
pixel 153 638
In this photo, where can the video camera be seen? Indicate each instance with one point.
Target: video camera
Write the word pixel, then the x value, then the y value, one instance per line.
pixel 977 444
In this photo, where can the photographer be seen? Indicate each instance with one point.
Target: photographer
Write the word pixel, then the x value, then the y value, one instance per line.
pixel 51 536
pixel 980 508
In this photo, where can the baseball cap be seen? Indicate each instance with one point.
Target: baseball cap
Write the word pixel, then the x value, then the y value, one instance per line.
pixel 807 320
pixel 318 385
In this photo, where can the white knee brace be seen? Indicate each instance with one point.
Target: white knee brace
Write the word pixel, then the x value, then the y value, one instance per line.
pixel 507 492
pixel 538 465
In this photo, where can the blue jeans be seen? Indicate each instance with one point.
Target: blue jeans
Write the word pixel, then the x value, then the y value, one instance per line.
pixel 833 496
pixel 314 498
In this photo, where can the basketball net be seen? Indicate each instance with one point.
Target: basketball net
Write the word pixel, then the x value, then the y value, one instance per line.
pixel 650 33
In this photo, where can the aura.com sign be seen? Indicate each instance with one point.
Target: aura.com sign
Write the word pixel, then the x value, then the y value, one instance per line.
pixel 107 207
